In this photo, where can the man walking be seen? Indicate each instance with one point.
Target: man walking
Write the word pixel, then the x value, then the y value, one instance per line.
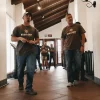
pixel 74 46
pixel 26 36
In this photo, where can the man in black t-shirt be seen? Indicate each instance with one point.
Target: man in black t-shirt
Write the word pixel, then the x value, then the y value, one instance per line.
pixel 38 56
pixel 52 55
pixel 73 39
pixel 26 36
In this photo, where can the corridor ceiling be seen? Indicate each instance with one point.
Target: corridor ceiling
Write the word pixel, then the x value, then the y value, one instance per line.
pixel 51 13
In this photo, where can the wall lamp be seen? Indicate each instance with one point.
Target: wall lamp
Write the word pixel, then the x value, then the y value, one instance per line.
pixel 90 4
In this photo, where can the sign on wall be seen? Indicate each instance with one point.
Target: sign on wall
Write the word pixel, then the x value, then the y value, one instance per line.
pixel 48 35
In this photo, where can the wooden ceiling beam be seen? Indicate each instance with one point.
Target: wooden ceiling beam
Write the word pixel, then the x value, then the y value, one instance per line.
pixel 29 3
pixel 39 18
pixel 47 9
pixel 43 4
pixel 16 2
pixel 51 18
pixel 50 21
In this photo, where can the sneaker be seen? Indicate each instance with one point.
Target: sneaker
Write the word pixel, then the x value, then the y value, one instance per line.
pixel 69 84
pixel 21 87
pixel 31 92
pixel 76 82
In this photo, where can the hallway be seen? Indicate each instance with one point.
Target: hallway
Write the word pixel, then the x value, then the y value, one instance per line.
pixel 51 85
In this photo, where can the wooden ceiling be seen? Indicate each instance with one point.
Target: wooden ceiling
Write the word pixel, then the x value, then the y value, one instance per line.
pixel 51 13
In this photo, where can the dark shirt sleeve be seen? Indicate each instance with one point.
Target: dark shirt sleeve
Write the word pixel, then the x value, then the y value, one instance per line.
pixel 82 30
pixel 36 34
pixel 15 32
pixel 63 35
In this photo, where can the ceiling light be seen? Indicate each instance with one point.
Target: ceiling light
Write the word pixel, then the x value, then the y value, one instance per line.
pixel 39 8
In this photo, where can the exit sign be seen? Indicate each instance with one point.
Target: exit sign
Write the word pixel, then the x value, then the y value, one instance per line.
pixel 49 35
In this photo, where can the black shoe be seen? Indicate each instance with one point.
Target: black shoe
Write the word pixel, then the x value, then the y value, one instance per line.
pixel 31 92
pixel 21 87
pixel 40 68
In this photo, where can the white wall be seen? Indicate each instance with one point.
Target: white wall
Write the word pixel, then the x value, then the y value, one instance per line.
pixel 89 31
pixel 90 19
pixel 63 23
pixel 10 9
pixel 2 40
pixel 71 10
pixel 19 11
pixel 55 30
pixel 81 16
pixel 96 38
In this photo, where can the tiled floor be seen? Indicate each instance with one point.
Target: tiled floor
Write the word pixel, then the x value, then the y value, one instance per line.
pixel 51 85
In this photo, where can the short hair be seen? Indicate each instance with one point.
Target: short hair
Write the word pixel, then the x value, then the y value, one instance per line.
pixel 78 23
pixel 68 14
pixel 27 13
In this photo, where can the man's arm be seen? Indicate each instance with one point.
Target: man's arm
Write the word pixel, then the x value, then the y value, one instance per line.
pixel 83 39
pixel 16 39
pixel 82 43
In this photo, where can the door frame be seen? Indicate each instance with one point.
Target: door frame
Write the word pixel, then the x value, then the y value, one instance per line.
pixel 56 51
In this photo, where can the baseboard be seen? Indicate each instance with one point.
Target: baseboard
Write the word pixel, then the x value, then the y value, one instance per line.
pixel 94 79
pixel 3 83
pixel 90 77
pixel 97 80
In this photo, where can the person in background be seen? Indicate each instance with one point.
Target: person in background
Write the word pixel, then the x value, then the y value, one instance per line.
pixel 52 55
pixel 73 39
pixel 38 56
pixel 82 77
pixel 44 52
pixel 26 36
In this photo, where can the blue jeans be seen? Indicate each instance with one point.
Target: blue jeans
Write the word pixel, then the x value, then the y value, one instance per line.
pixel 28 60
pixel 73 64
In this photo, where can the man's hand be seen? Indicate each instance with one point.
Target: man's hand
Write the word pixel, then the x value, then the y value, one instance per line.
pixel 23 39
pixel 31 42
pixel 82 49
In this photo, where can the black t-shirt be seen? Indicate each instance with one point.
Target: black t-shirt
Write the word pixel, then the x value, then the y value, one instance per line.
pixel 72 36
pixel 52 52
pixel 27 32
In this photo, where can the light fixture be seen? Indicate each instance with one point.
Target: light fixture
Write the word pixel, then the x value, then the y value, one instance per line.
pixel 38 5
pixel 90 4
